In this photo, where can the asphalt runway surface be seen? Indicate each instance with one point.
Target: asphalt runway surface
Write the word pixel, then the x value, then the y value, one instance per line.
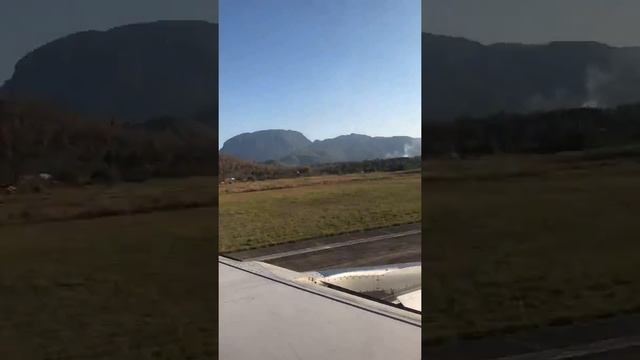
pixel 397 244
pixel 603 339
pixel 631 353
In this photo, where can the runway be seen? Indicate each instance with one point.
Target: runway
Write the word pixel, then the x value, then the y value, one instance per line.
pixel 397 244
pixel 604 339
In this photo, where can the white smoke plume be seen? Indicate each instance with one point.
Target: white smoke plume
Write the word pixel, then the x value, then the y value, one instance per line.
pixel 618 84
pixel 410 149
pixel 596 80
pixel 559 99
pixel 413 148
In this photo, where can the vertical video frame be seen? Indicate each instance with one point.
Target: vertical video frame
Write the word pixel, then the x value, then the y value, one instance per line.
pixel 320 232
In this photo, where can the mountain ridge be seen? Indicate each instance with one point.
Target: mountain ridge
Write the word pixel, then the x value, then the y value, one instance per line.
pixel 141 71
pixel 469 79
pixel 133 72
pixel 257 146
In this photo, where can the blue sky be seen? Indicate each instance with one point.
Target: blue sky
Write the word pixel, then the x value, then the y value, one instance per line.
pixel 614 22
pixel 322 67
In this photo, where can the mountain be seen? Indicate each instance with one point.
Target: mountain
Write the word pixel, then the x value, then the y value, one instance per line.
pixel 356 147
pixel 133 72
pixel 169 68
pixel 466 78
pixel 265 145
pixel 292 148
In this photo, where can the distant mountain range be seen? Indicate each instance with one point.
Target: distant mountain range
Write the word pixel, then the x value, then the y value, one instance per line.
pixel 133 72
pixel 170 69
pixel 293 148
pixel 466 78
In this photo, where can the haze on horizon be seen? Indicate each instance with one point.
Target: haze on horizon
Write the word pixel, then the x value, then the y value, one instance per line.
pixel 28 24
pixel 534 22
pixel 323 68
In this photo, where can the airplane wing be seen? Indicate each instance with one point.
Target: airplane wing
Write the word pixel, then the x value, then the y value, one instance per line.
pixel 267 312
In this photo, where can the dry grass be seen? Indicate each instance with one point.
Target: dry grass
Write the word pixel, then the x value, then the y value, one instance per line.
pixel 128 287
pixel 119 287
pixel 143 286
pixel 68 203
pixel 239 187
pixel 510 242
pixel 272 212
pixel 503 250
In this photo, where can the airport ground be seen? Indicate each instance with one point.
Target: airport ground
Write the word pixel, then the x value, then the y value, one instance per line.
pixel 119 272
pixel 509 244
pixel 529 241
pixel 390 245
pixel 278 211
pixel 615 337
pixel 517 243
pixel 121 287
pixel 128 271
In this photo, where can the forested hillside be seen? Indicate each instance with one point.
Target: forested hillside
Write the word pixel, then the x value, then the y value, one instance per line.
pixel 37 138
pixel 538 132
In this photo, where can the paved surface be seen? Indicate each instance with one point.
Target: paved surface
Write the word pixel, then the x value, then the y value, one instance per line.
pixel 397 244
pixel 595 350
pixel 632 353
pixel 614 338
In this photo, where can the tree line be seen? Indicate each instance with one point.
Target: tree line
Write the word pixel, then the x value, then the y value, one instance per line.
pixel 540 132
pixel 37 138
pixel 40 138
pixel 242 170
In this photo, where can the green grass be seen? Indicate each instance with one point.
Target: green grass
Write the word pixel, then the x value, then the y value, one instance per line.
pixel 510 242
pixel 507 251
pixel 76 283
pixel 128 287
pixel 69 203
pixel 316 207
pixel 118 287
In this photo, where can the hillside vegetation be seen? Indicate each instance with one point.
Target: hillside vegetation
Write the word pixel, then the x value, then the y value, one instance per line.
pixel 38 138
pixel 241 170
pixel 580 129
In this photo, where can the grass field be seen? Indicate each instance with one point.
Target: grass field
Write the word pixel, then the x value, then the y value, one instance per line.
pixel 130 271
pixel 515 242
pixel 272 212
pixel 69 203
pixel 137 284
pixel 509 242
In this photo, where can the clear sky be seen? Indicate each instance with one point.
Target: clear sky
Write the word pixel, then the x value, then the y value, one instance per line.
pixel 615 22
pixel 322 67
pixel 28 24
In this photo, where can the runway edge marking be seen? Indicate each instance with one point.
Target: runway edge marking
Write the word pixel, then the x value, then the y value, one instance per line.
pixel 333 246
pixel 574 352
